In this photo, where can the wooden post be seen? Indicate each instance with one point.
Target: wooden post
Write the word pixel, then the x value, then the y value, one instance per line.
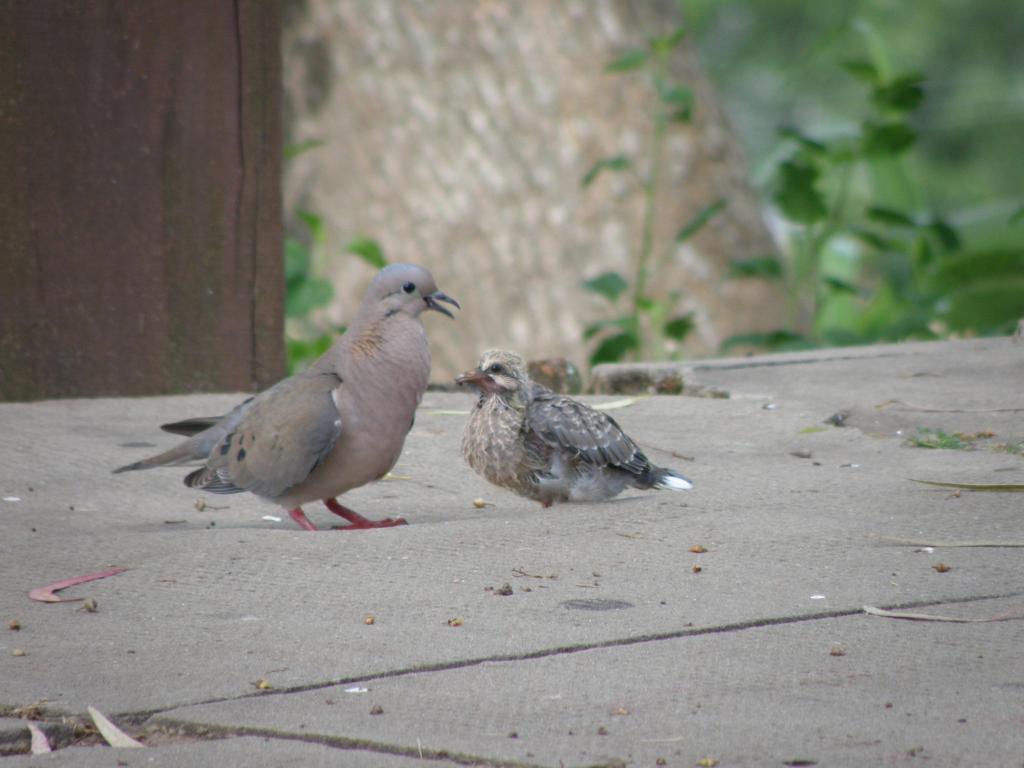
pixel 140 221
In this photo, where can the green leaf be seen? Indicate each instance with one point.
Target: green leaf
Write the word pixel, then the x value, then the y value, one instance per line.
pixel 368 250
pixel 987 305
pixel 666 43
pixel 308 295
pixel 632 59
pixel 301 352
pixel 679 99
pixel 297 260
pixel 773 340
pixel 838 285
pixel 903 93
pixel 890 138
pixel 608 284
pixel 675 95
pixel 874 239
pixel 614 163
pixel 992 264
pixel 647 304
pixel 796 195
pixel 614 348
pixel 625 323
pixel 291 151
pixel 946 234
pixel 1017 216
pixel 890 216
pixel 768 267
pixel 703 216
pixel 678 327
pixel 316 226
pixel 862 70
pixel 806 142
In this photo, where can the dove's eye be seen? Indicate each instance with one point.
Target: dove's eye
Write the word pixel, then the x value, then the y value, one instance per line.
pixel 409 287
pixel 496 368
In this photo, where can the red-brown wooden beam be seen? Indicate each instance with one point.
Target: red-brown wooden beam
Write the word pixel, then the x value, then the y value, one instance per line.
pixel 140 214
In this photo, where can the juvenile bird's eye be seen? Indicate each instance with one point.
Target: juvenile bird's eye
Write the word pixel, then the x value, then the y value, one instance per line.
pixel 495 368
pixel 409 287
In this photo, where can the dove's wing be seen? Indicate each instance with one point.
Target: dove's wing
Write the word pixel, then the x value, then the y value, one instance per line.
pixel 563 423
pixel 283 434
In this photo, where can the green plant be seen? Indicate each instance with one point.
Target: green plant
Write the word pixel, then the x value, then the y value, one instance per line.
pixel 308 335
pixel 866 259
pixel 645 323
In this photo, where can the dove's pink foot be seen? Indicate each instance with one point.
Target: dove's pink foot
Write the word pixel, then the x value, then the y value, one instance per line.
pixel 300 517
pixel 356 520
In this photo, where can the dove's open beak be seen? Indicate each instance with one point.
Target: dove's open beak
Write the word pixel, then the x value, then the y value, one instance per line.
pixel 431 300
pixel 477 378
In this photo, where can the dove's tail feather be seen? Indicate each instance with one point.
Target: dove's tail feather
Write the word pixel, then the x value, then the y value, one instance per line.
pixel 669 480
pixel 179 454
pixel 190 427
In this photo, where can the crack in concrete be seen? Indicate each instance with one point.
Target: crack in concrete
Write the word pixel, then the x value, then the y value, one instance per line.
pixel 542 653
pixel 155 718
pixel 203 731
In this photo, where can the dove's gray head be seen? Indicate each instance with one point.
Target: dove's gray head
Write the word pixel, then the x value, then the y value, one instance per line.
pixel 405 288
pixel 499 373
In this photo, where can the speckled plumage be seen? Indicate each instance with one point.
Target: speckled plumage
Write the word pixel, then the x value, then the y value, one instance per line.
pixel 549 447
pixel 337 425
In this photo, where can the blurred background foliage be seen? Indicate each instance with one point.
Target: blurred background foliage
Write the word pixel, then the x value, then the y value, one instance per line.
pixel 886 137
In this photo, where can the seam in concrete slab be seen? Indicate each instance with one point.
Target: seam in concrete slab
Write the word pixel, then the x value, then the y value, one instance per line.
pixel 204 731
pixel 762 363
pixel 543 653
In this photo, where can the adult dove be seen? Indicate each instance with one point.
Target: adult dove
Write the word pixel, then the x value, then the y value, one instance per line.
pixel 337 425
pixel 549 447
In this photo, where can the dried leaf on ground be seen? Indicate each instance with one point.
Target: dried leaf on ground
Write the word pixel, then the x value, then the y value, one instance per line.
pixel 995 487
pixel 46 594
pixel 615 404
pixel 113 735
pixel 40 744
pixel 979 543
pixel 942 567
pixel 1009 615
pixel 697 549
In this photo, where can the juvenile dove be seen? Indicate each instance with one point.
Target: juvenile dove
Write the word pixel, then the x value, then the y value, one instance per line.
pixel 549 447
pixel 338 424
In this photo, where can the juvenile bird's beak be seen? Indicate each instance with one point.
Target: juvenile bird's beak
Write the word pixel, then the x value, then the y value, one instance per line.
pixel 431 300
pixel 476 378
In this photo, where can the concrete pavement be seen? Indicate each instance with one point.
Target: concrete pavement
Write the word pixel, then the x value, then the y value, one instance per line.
pixel 242 640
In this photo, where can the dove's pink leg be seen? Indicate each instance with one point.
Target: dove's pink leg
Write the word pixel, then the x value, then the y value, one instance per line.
pixel 357 520
pixel 300 517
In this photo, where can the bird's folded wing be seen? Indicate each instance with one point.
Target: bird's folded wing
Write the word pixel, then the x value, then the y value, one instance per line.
pixel 282 436
pixel 565 423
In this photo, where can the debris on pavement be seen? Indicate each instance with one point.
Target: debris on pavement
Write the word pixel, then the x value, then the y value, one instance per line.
pixel 113 735
pixel 1010 615
pixel 994 487
pixel 46 594
pixel 942 567
pixel 18 652
pixel 376 709
pixel 14 625
pixel 40 744
pixel 978 543
pixel 455 621
pixel 697 549
pixel 838 419
pixel 837 650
